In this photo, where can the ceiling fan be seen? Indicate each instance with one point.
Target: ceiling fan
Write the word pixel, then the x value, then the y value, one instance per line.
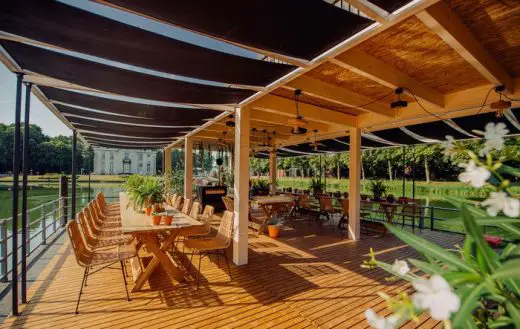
pixel 298 122
pixel 315 144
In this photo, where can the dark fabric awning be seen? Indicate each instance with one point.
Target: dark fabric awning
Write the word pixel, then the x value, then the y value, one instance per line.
pixel 108 126
pixel 124 137
pixel 78 30
pixel 70 112
pixel 478 122
pixel 118 81
pixel 436 130
pixel 152 133
pixel 297 28
pixel 183 115
pixel 92 137
pixel 390 5
pixel 126 146
pixel 396 136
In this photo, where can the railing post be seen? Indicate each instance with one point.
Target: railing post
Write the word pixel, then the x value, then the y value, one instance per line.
pixel 64 201
pixel 3 251
pixel 432 217
pixel 54 214
pixel 44 226
pixel 28 236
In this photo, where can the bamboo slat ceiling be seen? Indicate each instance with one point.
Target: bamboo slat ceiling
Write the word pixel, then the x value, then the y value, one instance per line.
pixel 64 26
pixel 297 28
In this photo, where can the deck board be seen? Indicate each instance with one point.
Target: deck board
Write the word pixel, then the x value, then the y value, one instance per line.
pixel 308 278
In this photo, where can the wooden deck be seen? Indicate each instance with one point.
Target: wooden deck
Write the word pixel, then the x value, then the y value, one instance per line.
pixel 307 278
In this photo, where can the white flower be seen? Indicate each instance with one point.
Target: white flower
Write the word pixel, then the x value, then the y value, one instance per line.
pixel 500 201
pixel 400 267
pixel 380 322
pixel 449 146
pixel 494 136
pixel 437 296
pixel 474 175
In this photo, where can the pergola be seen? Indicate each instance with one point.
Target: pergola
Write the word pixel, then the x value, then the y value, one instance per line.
pixel 117 85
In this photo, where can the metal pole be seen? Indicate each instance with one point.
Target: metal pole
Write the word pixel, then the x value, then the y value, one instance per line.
pixel 73 184
pixel 89 169
pixel 16 172
pixel 3 251
pixel 25 169
pixel 413 172
pixel 404 168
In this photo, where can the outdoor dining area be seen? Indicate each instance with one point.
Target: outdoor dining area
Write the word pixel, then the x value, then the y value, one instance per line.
pixel 268 79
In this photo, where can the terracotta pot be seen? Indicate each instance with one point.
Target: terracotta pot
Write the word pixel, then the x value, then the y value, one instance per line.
pixel 148 211
pixel 157 208
pixel 156 220
pixel 274 231
pixel 167 219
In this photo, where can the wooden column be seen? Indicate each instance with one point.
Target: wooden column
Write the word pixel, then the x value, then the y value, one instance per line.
pixel 241 189
pixel 188 167
pixel 167 169
pixel 272 170
pixel 354 220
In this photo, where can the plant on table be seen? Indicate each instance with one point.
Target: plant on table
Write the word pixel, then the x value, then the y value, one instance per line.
pixel 316 186
pixel 145 191
pixel 473 286
pixel 378 189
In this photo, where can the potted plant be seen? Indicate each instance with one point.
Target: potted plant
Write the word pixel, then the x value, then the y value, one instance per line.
pixel 259 187
pixel 156 218
pixel 167 218
pixel 390 198
pixel 378 189
pixel 274 227
pixel 316 186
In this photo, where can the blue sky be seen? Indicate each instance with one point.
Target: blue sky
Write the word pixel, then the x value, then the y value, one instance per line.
pixel 51 125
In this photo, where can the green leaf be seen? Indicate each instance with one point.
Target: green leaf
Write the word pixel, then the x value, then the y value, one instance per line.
pixel 513 311
pixel 387 267
pixel 502 321
pixel 511 229
pixel 505 169
pixel 469 302
pixel 426 267
pixel 486 257
pixel 474 210
pixel 496 221
pixel 510 269
pixel 428 248
pixel 458 278
pixel 511 250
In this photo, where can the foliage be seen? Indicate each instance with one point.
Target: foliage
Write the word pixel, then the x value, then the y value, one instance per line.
pixel 378 189
pixel 316 185
pixel 144 190
pixel 174 183
pixel 259 183
pixel 474 286
pixel 228 178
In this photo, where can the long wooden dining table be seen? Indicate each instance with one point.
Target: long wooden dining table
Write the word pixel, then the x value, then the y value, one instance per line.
pixel 148 235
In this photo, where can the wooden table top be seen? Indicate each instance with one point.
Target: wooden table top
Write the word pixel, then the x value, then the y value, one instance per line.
pixel 133 221
pixel 273 199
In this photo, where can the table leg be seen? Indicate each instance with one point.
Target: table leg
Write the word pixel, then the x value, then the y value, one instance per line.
pixel 162 257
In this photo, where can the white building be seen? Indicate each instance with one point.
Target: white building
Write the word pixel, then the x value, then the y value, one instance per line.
pixel 112 161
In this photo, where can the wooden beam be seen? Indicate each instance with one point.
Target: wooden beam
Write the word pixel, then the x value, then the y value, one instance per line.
pixel 276 119
pixel 354 186
pixel 284 106
pixel 188 167
pixel 329 92
pixel 372 68
pixel 445 23
pixel 272 171
pixel 377 14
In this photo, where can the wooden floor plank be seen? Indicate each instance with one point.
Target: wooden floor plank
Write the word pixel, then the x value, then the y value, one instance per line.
pixel 308 278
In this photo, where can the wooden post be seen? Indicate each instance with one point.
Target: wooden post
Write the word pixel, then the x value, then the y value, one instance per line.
pixel 241 189
pixel 167 155
pixel 188 167
pixel 354 220
pixel 272 171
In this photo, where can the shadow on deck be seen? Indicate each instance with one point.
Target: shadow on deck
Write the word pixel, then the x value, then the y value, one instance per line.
pixel 307 278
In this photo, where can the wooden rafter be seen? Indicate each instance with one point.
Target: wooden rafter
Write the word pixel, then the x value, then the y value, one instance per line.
pixel 340 95
pixel 372 68
pixel 284 106
pixel 445 23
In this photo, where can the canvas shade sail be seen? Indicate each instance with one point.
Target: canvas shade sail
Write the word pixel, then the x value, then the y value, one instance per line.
pixel 71 28
pixel 118 81
pixel 297 28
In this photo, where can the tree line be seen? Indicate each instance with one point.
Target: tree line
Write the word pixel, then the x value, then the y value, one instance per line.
pixel 385 163
pixel 46 154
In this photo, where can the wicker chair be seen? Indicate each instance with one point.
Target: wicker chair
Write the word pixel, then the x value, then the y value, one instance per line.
pixel 95 241
pixel 100 220
pixel 343 222
pixel 178 203
pixel 186 207
pixel 326 209
pixel 228 203
pixel 97 229
pixel 195 210
pixel 88 258
pixel 220 242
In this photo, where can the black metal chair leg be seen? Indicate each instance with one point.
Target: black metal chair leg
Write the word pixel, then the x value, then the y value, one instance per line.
pixel 227 263
pixel 198 274
pixel 218 260
pixel 86 277
pixel 83 281
pixel 124 279
pixel 191 262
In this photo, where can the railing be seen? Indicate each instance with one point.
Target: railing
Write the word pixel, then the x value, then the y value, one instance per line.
pixel 43 222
